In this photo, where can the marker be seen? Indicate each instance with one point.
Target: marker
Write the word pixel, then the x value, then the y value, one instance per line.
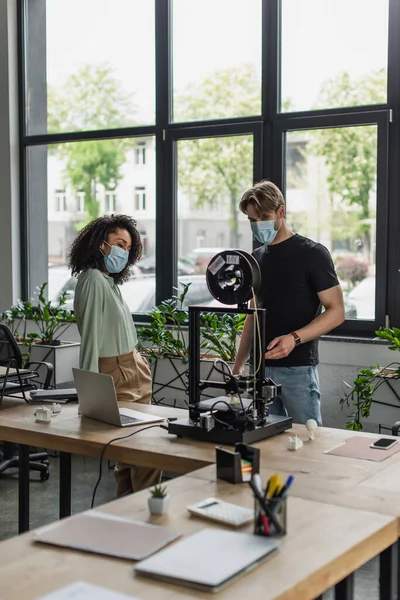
pixel 283 492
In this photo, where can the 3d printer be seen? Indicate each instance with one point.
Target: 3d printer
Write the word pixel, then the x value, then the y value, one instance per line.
pixel 233 277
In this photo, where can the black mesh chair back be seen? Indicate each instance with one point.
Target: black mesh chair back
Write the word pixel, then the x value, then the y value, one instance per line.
pixel 9 349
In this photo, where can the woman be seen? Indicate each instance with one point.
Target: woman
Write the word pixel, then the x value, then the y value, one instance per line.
pixel 101 256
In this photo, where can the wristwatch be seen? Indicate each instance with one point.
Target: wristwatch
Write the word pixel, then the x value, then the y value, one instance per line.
pixel 297 340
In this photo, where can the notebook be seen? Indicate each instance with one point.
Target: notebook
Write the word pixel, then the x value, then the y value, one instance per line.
pixel 94 531
pixel 195 561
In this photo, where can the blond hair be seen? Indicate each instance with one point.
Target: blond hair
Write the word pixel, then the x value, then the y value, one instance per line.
pixel 265 196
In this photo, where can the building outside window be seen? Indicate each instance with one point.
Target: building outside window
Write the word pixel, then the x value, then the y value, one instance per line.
pixel 80 197
pixel 140 153
pixel 61 201
pixel 110 202
pixel 140 198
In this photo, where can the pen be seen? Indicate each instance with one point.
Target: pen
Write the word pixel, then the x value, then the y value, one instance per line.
pixel 283 493
pixel 260 516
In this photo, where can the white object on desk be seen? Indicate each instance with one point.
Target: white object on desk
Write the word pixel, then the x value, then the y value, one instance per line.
pixel 311 426
pixel 86 591
pixel 56 408
pixel 294 443
pixel 222 512
pixel 43 414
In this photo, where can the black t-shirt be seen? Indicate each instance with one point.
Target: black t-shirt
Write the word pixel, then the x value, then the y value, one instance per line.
pixel 292 274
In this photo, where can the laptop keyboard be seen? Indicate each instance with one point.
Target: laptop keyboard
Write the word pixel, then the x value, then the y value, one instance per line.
pixel 125 419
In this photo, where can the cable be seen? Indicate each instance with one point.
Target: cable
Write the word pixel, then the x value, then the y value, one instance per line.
pixel 257 324
pixel 122 437
pixel 219 420
pixel 220 360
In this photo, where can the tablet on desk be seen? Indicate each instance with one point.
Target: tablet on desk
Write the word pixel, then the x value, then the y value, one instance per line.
pixel 208 560
pixel 61 396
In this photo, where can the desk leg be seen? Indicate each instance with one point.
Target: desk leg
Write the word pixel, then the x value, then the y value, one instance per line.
pixel 344 590
pixel 23 489
pixel 388 572
pixel 65 484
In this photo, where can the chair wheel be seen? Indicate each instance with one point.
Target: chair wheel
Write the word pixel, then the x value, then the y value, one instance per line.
pixel 44 475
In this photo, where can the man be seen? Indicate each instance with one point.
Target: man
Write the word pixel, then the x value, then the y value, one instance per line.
pixel 297 279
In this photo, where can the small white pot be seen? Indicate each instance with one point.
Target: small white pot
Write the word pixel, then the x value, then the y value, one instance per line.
pixel 158 506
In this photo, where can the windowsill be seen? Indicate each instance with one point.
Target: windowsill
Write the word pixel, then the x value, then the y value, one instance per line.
pixel 353 339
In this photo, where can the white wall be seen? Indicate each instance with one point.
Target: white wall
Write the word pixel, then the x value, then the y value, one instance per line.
pixel 9 174
pixel 342 361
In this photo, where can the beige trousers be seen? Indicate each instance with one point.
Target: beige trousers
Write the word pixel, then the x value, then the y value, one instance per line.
pixel 132 381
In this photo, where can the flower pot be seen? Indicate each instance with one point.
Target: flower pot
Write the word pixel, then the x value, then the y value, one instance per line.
pixel 158 506
pixel 63 357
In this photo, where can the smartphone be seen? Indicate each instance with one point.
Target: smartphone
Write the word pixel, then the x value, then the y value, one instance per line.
pixel 384 443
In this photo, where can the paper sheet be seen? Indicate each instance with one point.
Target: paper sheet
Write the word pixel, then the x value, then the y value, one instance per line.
pixel 85 591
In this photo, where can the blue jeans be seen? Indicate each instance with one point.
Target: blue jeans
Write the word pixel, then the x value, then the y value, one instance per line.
pixel 300 398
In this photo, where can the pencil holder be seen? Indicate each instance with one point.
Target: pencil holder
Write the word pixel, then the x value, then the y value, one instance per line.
pixel 271 522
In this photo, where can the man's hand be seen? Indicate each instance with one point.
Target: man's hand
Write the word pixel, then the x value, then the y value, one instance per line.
pixel 280 347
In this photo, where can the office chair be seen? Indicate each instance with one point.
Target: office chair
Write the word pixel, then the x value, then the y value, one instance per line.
pixel 395 428
pixel 15 382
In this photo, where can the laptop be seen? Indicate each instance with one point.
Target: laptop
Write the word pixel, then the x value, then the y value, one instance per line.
pixel 195 561
pixel 98 400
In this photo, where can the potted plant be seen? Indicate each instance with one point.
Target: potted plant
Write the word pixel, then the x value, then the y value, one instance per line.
pixel 165 344
pixel 158 500
pixel 362 393
pixel 37 327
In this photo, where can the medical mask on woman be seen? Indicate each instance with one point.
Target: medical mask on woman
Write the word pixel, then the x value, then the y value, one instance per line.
pixel 264 231
pixel 117 260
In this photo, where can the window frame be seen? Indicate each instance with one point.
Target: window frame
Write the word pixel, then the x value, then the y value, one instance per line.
pixel 268 130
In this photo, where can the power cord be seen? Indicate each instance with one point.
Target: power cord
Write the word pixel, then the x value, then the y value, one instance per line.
pixel 257 325
pixel 122 437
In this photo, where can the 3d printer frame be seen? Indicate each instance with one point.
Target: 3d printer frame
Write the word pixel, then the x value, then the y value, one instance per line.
pixel 267 425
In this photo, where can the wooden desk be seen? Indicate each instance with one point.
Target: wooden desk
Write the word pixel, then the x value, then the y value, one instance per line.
pixel 69 434
pixel 346 482
pixel 324 545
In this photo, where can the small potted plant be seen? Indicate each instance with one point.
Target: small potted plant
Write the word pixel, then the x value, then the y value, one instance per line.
pixel 159 500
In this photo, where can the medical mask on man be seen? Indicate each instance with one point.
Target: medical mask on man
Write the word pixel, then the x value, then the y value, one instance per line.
pixel 264 231
pixel 117 260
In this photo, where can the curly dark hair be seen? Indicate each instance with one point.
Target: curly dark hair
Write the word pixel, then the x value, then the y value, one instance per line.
pixel 85 252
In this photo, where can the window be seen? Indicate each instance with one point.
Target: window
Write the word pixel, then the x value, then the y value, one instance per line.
pixel 334 53
pixel 330 202
pixel 140 198
pixel 111 202
pixel 50 166
pixel 140 154
pixel 216 45
pixel 81 202
pixel 61 201
pixel 85 83
pixel 212 172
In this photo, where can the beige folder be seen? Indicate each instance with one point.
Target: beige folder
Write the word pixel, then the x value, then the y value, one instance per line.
pixel 94 531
